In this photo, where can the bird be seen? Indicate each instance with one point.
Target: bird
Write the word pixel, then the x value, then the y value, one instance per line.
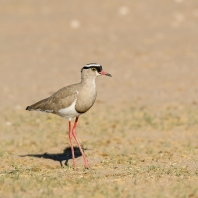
pixel 72 101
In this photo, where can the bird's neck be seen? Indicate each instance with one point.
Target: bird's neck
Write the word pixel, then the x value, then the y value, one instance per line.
pixel 89 85
pixel 88 81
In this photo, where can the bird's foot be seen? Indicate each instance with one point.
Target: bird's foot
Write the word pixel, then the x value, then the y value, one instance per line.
pixel 86 165
pixel 74 164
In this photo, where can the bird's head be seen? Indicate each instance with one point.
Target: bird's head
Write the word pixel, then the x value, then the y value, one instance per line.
pixel 93 70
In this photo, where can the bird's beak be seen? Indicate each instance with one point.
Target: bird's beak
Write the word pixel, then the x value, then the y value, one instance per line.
pixel 105 73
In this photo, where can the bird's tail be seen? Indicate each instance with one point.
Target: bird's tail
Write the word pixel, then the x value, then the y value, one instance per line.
pixel 39 106
pixel 28 108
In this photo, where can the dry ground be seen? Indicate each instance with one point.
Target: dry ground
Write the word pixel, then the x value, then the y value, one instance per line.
pixel 140 137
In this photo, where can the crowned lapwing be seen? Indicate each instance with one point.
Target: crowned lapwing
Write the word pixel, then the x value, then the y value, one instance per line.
pixel 72 101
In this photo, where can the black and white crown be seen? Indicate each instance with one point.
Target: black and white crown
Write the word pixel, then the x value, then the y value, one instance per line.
pixel 98 67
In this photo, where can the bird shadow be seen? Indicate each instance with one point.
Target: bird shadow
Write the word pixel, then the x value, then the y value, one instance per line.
pixel 60 157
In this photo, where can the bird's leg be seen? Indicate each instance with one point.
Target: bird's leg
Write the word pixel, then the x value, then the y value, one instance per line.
pixel 71 144
pixel 74 134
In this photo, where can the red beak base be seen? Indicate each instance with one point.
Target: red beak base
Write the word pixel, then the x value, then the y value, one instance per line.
pixel 105 73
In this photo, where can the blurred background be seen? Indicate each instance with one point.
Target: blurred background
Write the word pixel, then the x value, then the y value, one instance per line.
pixel 150 47
pixel 142 132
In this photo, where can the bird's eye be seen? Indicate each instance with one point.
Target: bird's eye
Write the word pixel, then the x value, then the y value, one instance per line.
pixel 93 69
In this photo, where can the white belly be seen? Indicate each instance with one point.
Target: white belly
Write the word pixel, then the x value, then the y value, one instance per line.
pixel 69 112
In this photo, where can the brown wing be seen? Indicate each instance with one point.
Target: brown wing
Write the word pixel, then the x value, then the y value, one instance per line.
pixel 63 98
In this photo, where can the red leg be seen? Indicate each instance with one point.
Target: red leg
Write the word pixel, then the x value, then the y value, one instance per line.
pixel 71 144
pixel 74 134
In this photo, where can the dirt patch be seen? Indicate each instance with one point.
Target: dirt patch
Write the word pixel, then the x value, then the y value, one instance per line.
pixel 141 135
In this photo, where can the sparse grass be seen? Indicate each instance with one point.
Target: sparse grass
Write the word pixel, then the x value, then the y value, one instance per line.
pixel 134 152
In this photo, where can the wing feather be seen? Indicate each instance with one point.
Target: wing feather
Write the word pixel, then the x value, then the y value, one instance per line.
pixel 63 98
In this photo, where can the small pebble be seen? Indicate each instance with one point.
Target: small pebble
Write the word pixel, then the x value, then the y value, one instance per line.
pixel 75 24
pixel 8 123
pixel 123 10
pixel 178 1
pixel 179 17
pixel 18 107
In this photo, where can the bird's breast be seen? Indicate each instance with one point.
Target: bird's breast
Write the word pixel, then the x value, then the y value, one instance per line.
pixel 85 100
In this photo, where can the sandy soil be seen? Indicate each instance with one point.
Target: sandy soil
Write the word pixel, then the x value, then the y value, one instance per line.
pixel 148 110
